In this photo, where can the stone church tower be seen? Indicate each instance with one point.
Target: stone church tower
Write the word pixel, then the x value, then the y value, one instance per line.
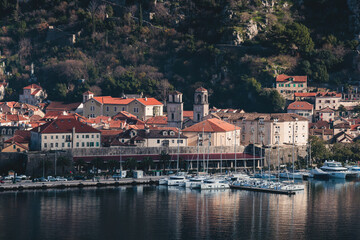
pixel 175 110
pixel 201 104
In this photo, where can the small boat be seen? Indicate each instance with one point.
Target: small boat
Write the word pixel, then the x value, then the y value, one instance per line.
pixel 211 183
pixel 195 180
pixel 317 173
pixel 291 175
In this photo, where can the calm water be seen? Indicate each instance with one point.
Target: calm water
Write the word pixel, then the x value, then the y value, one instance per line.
pixel 325 210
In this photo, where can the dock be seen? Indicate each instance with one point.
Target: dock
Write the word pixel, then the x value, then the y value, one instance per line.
pixel 28 185
pixel 256 189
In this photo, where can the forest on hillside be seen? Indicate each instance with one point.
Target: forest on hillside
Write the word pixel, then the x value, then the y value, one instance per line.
pixel 234 48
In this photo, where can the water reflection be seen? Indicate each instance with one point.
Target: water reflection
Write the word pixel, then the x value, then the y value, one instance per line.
pixel 324 210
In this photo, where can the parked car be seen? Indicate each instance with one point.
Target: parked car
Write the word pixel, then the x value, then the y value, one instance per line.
pixel 8 177
pixel 58 178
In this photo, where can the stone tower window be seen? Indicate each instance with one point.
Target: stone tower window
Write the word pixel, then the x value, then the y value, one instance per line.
pixel 198 98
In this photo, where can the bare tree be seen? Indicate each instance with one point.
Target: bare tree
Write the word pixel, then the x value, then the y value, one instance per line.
pixel 24 49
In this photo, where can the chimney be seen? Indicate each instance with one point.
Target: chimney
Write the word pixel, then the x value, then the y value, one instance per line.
pixel 145 98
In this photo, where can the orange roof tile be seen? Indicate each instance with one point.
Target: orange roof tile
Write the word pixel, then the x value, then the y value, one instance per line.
pixel 157 120
pixel 149 101
pixel 201 89
pixel 309 94
pixel 33 86
pixel 300 105
pixel 188 114
pixel 111 100
pixel 211 125
pixel 286 78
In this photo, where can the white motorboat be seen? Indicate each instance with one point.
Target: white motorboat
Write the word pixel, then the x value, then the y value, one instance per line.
pixel 194 180
pixel 317 173
pixel 175 180
pixel 291 175
pixel 354 169
pixel 211 183
pixel 163 181
pixel 336 170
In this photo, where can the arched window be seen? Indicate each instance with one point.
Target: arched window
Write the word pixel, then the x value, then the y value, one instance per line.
pixel 3 132
pixel 198 117
pixel 206 98
pixel 172 116
pixel 9 132
pixel 198 99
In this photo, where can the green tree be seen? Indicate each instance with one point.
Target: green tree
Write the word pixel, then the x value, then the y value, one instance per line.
pixel 62 162
pixel 147 163
pixel 131 164
pixel 341 109
pixel 164 159
pixel 79 163
pixel 318 149
pixel 112 164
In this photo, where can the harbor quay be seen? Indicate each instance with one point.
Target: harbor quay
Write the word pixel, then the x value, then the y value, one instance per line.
pixel 95 182
pixel 190 158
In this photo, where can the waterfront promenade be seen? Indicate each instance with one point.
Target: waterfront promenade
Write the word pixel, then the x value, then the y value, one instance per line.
pixel 29 185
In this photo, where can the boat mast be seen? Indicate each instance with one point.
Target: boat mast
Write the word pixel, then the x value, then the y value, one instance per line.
pixel 178 150
pixel 293 146
pixel 197 162
pixel 221 153
pixel 235 146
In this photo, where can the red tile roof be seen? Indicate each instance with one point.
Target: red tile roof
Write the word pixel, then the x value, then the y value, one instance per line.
pixel 33 86
pixel 306 94
pixel 123 115
pixel 111 100
pixel 300 105
pixel 61 106
pixel 18 139
pixel 286 78
pixel 159 120
pixel 35 92
pixel 105 132
pixel 211 125
pixel 201 89
pixel 188 114
pixel 65 125
pixel 15 118
pixel 88 93
pixel 149 101
pixel 327 110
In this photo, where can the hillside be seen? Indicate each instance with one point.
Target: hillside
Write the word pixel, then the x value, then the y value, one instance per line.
pixel 234 48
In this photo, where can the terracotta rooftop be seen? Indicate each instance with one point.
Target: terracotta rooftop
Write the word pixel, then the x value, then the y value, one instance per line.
pixel 188 114
pixel 61 106
pixel 149 101
pixel 286 78
pixel 65 125
pixel 300 105
pixel 88 93
pixel 157 120
pixel 111 100
pixel 327 110
pixel 33 86
pixel 123 115
pixel 306 94
pixel 201 89
pixel 211 125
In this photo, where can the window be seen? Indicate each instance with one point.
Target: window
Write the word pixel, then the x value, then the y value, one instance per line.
pixel 63 137
pixel 57 137
pixel 107 109
pixel 180 141
pixel 77 144
pixel 45 137
pixel 68 144
pixel 62 145
pixel 52 137
pixel 97 144
pixel 333 101
pixel 87 144
pixel 83 136
pixel 45 145
pixel 319 101
pixel 172 141
pixel 77 136
pixel 123 108
pixel 51 145
pixel 115 109
pixel 56 144
pixel 87 136
pixel 158 141
pixel 136 110
pixel 92 136
pixel 97 136
pixel 83 144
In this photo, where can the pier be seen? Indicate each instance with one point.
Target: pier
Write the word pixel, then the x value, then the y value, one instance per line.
pixel 29 185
